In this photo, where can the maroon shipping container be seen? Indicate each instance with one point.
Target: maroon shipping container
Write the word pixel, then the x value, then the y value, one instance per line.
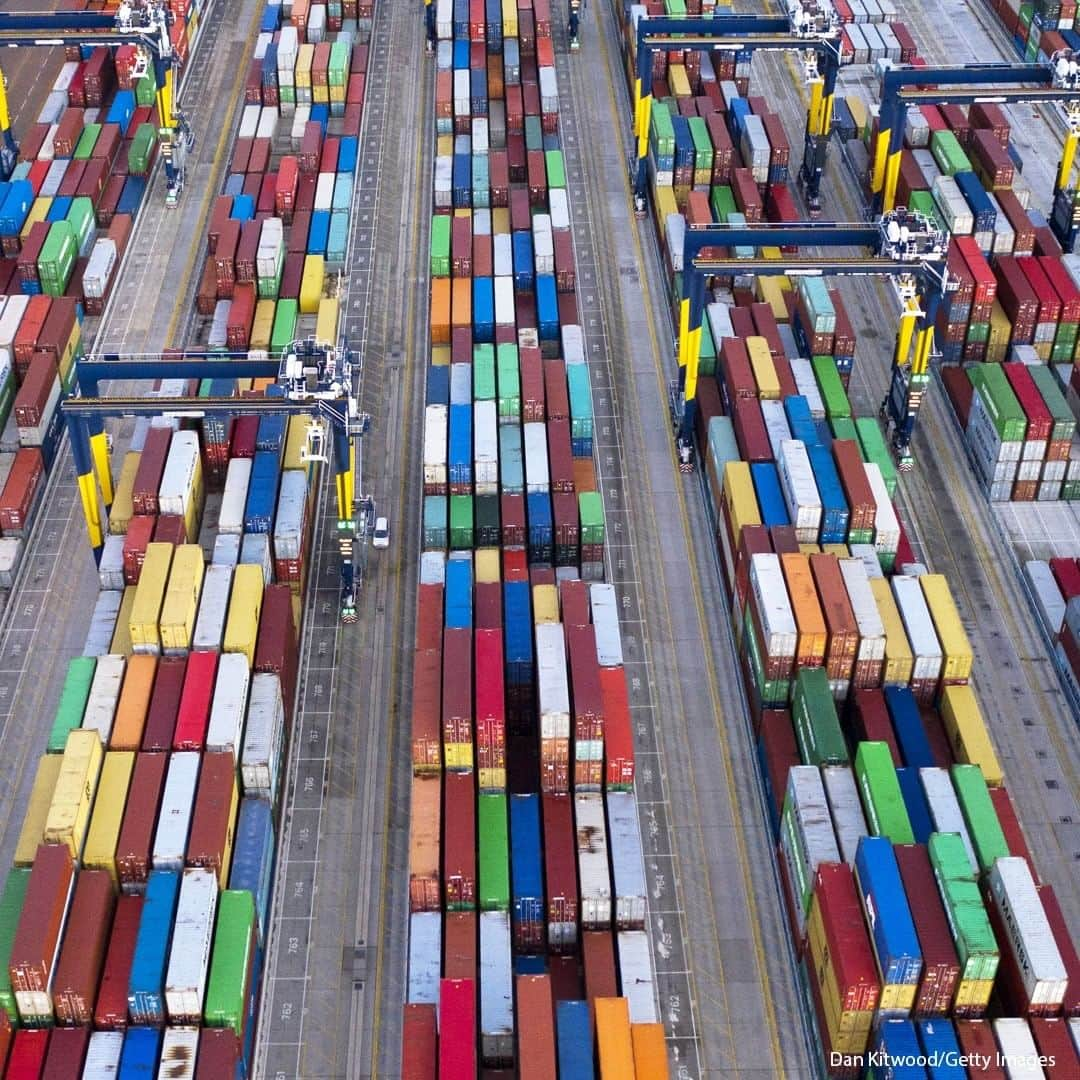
pixel 843 630
pixel 219 1053
pixel 219 217
pixel 20 492
pixel 66 1054
pixel 870 721
pixel 1061 1060
pixel 110 1012
pixel 457 686
pixel 276 647
pixel 750 431
pixel 1014 834
pixel 565 276
pixel 860 498
pixel 735 375
pixel 1015 293
pixel 598 956
pixel 483 257
pixel 68 131
pixel 459 839
pixel 989 117
pixel 992 163
pixel 560 454
pixel 1039 419
pixel 532 385
pixel 259 161
pixel 461 248
pixel 139 532
pixel 144 492
pixel 33 949
pixel 780 753
pixel 213 819
pixel 94 178
pixel 31 141
pixel 586 696
pixel 941 968
pixel 1023 229
pixel 567 527
pixel 487 606
pixel 73 175
pixel 429 617
pixel 574 604
pixel 170 529
pixel 83 950
pixel 1066 947
pixel 960 390
pixel 246 250
pixel 745 190
pixel 765 326
pixel 459 945
pixel 512 510
pixel 310 148
pixel 33 396
pixel 788 386
pixel 426 709
pixel 225 252
pixel 755 540
pixel 708 406
pixel 164 704
pixel 241 316
pixel 418 1043
pixel 292 276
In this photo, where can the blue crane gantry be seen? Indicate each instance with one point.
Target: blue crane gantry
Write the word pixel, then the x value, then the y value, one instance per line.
pixel 1055 81
pixel 142 23
pixel 314 379
pixel 810 27
pixel 905 246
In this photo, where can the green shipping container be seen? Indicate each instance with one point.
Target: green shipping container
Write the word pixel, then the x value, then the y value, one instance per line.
pixel 976 947
pixel 81 217
pixel 461 523
pixel 440 245
pixel 661 130
pixel 923 202
pixel 435 509
pixel 338 68
pixel 509 378
pixel 723 202
pixel 1006 414
pixel 284 331
pixel 581 414
pixel 483 372
pixel 73 698
pixel 84 148
pixel 534 133
pixel 142 146
pixel 227 997
pixel 879 789
pixel 978 332
pixel 493 869
pixel 832 389
pixel 948 154
pixel 987 837
pixel 591 513
pixel 57 258
pixel 7 396
pixel 146 90
pixel 204 387
pixel 1064 422
pixel 11 905
pixel 771 691
pixel 488 533
pixel 707 358
pixel 843 427
pixel 817 727
pixel 819 306
pixel 675 7
pixel 703 147
pixel 556 170
pixel 872 445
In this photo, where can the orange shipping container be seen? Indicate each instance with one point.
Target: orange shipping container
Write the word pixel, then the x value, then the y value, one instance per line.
pixel 440 311
pixel 812 640
pixel 461 312
pixel 614 1046
pixel 425 821
pixel 650 1051
pixel 536 1027
pixel 839 618
pixel 134 702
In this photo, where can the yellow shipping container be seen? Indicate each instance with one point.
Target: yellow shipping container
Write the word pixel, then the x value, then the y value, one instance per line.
pixel 839 550
pixel 955 646
pixel 149 595
pixel 243 386
pixel 297 612
pixel 486 564
pixel 678 81
pixel 968 736
pixel 665 204
pixel 457 755
pixel 230 835
pixel 121 639
pixel 326 324
pixel 974 993
pixel 311 285
pixel 122 510
pixel 108 815
pixel 39 211
pixel 739 498
pixel 615 1047
pixel 899 659
pixel 858 114
pixel 761 363
pixel 492 779
pixel 900 996
pixel 181 604
pixel 245 605
pixel 37 809
pixel 770 290
pixel 440 355
pixel 304 57
pixel 463 212
pixel 810 549
pixel 500 221
pixel 263 325
pixel 545 604
pixel 320 95
pixel 773 253
pixel 997 345
pixel 69 813
pixel 509 18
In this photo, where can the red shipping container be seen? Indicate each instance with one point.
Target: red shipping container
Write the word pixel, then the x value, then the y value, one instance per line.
pixel 856 487
pixel 490 699
pixel 483 258
pixel 1067 292
pixel 139 532
pixel 459 840
pixel 459 944
pixel 68 130
pixel 219 1053
pixel 735 375
pixel 195 698
pixel 427 692
pixel 144 495
pixel 1054 1043
pixel 533 406
pixel 429 617
pixel 28 1050
pixel 598 960
pixel 871 722
pixel 977 1042
pixel 709 405
pixel 32 397
pixel 849 953
pixel 241 155
pixel 750 431
pixel 1066 947
pixel 1010 826
pixel 987 116
pixel 246 251
pixel 1018 298
pixel 33 948
pixel 83 950
pixel 1067 575
pixel 418 1043
pixel 457 686
pixel 31 141
pixel 992 163
pixel 213 816
pixel 618 734
pixel 565 276
pixel 574 603
pixel 170 529
pixel 536 1013
pixel 560 457
pixel 66 1054
pixel 1040 421
pixel 276 646
pixel 164 704
pixel 95 176
pixel 20 492
pixel 779 753
pixel 536 172
pixel 219 216
pixel 241 316
pixel 745 190
pixel 512 510
pixel 839 618
pixel 457 1028
pixel 1049 310
pixel 586 693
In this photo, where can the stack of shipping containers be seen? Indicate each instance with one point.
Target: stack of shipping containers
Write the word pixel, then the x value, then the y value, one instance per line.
pixel 527 890
pixel 915 910
pixel 134 922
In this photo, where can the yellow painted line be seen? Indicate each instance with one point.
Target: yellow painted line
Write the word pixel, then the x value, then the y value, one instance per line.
pixel 764 980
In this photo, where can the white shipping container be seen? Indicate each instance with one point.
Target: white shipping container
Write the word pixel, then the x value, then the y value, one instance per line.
pixel 174 819
pixel 537 478
pixel 496 989
pixel 945 810
pixel 636 980
pixel 849 823
pixel 260 760
pixel 605 616
pixel 67 73
pixel 461 384
pixel 444 20
pixel 806 833
pixel 481 219
pixel 291 508
pixel 773 606
pixel 425 958
pixel 479 135
pixel 675 239
pixel 1074 1031
pixel 432 568
pixel 886 523
pixel 262 43
pixel 103 1055
pixel 1048 598
pixel 11 550
pixel 249 122
pixel 553 686
pixel 35 436
pixel 505 313
pixel 435 447
pixel 800 490
pixel 324 191
pixel 559 205
pixel 592 854
pixel 1017 1050
pixel 178 480
pixel 288 47
pixel 225 730
pixel 10 318
pixel 573 343
pixel 99 267
pixel 255 551
pixel 234 498
pixel 503 255
pixel 213 607
pixel 226 550
pixel 179 1049
pixel 444 180
pixel 543 244
pixel 864 607
pixel 48 144
pixel 802 372
pixel 271 250
pixel 104 694
pixel 485 448
pixel 55 104
pixel 462 91
pixel 919 626
pixel 776 425
pixel 111 567
pixel 627 861
pixel 1028 932
pixel 102 623
pixel 299 125
pixel 189 954
pixel 268 121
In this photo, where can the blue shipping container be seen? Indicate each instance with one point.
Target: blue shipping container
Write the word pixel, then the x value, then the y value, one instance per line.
pixel 975 196
pixel 526 872
pixel 320 114
pixel 907 723
pixel 139 1058
pixel 898 1045
pixel 16 205
pixel 271 19
pixel 146 983
pixel 122 110
pixel 461 48
pixel 483 303
pixel 517 633
pixel 342 198
pixel 892 932
pixel 915 803
pixel 942 1049
pixel 234 184
pixel 269 68
pixel 134 189
pixel 769 495
pixel 523 260
pixel 738 111
pixel 262 493
pixel 461 447
pixel 348 151
pixel 59 209
pixel 834 508
pixel 459 593
pixel 243 208
pixel 530 965
pixel 271 432
pixel 797 408
pixel 547 308
pixel 538 515
pixel 319 232
pixel 684 142
pixel 478 91
pixel 438 385
pixel 462 181
pixel 253 857
pixel 574 1038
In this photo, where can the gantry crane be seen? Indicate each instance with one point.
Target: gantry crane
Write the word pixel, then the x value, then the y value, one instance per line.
pixel 905 246
pixel 810 28
pixel 309 378
pixel 142 23
pixel 1055 81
